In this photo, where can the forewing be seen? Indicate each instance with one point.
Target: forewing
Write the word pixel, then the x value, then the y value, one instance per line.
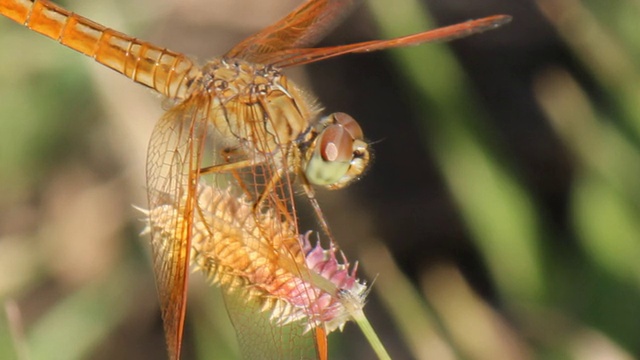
pixel 304 26
pixel 299 56
pixel 258 337
pixel 172 163
pixel 207 149
pixel 270 235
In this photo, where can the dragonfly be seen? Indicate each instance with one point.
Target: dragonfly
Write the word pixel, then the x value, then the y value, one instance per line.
pixel 239 130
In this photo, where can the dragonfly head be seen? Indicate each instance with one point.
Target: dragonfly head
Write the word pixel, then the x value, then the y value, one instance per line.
pixel 338 154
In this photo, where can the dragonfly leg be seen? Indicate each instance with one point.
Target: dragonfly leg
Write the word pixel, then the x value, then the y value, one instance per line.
pixel 230 167
pixel 213 169
pixel 308 189
pixel 269 186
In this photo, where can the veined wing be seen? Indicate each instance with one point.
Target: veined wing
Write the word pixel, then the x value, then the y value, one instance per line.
pixel 304 26
pixel 231 136
pixel 173 162
pixel 160 69
pixel 256 335
pixel 259 263
pixel 299 56
pixel 270 298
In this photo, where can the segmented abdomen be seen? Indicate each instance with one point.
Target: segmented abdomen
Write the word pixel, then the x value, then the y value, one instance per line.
pixel 163 70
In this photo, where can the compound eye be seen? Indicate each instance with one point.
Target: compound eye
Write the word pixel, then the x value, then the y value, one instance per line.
pixel 335 144
pixel 339 154
pixel 349 124
pixel 331 158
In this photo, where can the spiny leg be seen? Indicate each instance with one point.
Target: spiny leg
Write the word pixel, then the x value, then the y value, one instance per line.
pixel 230 167
pixel 311 195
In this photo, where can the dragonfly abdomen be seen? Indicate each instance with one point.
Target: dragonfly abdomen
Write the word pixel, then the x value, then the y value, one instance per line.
pixel 160 69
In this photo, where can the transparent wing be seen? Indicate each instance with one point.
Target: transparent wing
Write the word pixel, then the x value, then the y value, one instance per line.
pixel 268 321
pixel 257 261
pixel 207 169
pixel 300 56
pixel 304 26
pixel 259 264
pixel 257 338
pixel 173 159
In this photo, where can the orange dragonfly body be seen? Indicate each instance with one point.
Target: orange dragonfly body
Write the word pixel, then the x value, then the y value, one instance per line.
pixel 222 160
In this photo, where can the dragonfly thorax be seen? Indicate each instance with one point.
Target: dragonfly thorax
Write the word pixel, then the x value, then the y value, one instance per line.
pixel 255 104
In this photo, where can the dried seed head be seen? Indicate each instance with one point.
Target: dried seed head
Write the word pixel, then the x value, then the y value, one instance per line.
pixel 259 256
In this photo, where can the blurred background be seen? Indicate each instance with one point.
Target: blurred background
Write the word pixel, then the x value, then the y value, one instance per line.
pixel 499 218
